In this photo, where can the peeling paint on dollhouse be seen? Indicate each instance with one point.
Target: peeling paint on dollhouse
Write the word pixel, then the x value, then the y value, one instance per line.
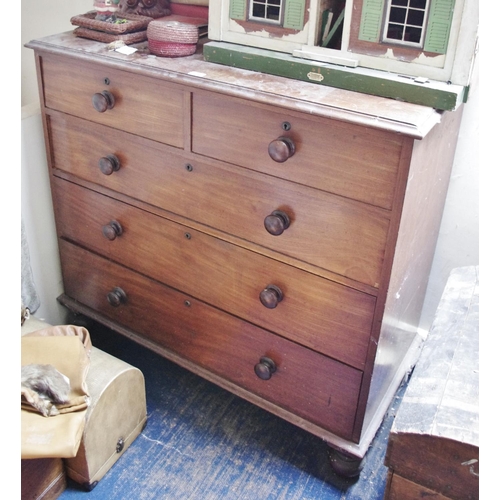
pixel 264 20
pixel 395 54
pixel 259 30
pixel 434 39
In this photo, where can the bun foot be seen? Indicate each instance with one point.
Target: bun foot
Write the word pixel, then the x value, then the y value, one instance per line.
pixel 345 465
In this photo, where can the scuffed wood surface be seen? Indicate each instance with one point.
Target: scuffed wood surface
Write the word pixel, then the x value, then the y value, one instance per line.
pixel 378 112
pixel 402 489
pixel 442 398
pixel 434 441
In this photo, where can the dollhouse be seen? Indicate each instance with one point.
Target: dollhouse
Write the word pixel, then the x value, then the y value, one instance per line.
pixel 378 45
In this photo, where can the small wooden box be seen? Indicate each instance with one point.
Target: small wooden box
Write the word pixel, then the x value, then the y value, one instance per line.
pixel 433 447
pixel 42 478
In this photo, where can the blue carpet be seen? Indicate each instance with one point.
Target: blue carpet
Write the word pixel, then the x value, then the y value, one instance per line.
pixel 203 443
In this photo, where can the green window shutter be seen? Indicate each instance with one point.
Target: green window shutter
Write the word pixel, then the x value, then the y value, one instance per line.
pixel 439 25
pixel 294 14
pixel 237 9
pixel 371 20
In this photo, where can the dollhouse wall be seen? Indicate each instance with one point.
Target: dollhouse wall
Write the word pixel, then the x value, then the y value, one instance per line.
pixel 360 35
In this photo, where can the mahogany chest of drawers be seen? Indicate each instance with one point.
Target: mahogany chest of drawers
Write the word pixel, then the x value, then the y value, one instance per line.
pixel 271 235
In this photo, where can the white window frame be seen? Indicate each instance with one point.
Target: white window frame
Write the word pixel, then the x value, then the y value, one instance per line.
pixel 405 43
pixel 277 22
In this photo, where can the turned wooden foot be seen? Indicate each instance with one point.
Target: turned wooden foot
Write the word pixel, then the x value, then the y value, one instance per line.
pixel 345 465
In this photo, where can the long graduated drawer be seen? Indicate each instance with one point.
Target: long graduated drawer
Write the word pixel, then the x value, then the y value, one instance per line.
pixel 220 273
pixel 215 340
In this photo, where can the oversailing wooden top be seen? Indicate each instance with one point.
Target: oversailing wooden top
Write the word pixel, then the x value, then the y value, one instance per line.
pixel 354 107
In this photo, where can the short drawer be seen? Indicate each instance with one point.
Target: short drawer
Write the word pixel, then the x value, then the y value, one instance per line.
pixel 322 314
pixel 306 383
pixel 142 105
pixel 336 234
pixel 349 160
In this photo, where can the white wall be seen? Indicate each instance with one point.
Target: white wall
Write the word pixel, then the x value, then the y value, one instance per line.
pixel 458 243
pixel 36 210
pixel 458 240
pixel 39 19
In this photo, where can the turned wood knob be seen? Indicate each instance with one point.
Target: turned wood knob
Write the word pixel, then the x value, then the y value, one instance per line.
pixel 112 230
pixel 117 297
pixel 265 368
pixel 277 222
pixel 271 296
pixel 109 164
pixel 281 149
pixel 102 101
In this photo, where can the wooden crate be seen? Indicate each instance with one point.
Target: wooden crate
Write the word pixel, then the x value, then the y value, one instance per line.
pixel 42 478
pixel 433 446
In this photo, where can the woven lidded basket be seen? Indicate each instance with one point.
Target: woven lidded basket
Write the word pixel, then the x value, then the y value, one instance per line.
pixel 172 31
pixel 172 38
pixel 171 49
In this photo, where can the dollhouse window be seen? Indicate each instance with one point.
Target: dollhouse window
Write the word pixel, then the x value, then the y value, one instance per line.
pixel 422 24
pixel 266 10
pixel 284 13
pixel 405 21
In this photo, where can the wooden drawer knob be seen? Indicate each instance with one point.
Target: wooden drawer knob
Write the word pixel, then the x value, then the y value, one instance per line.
pixel 117 297
pixel 102 101
pixel 109 164
pixel 112 230
pixel 271 296
pixel 265 368
pixel 281 149
pixel 277 222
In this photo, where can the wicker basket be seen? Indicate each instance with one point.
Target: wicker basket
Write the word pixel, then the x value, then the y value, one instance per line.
pixel 99 36
pixel 133 23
